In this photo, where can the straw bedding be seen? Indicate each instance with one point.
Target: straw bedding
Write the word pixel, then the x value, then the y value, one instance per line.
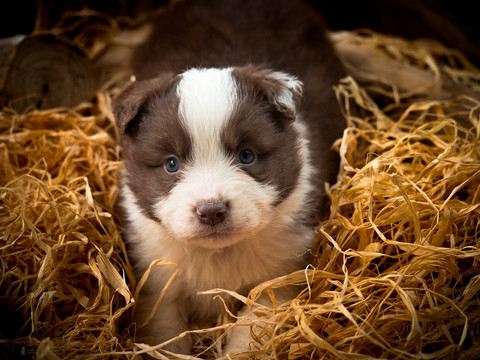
pixel 396 272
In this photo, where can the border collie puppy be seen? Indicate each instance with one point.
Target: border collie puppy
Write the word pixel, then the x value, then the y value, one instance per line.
pixel 227 137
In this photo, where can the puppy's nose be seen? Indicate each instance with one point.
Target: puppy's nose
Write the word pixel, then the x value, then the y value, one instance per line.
pixel 212 213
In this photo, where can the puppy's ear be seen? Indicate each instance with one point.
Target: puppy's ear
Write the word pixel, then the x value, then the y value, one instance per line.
pixel 128 106
pixel 282 90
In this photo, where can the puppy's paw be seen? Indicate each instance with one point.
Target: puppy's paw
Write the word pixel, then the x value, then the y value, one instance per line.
pixel 239 340
pixel 240 337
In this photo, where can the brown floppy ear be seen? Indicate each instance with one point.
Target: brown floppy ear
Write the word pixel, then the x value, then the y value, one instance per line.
pixel 282 90
pixel 128 106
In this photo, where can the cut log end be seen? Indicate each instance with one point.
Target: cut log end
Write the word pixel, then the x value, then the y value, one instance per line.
pixel 47 72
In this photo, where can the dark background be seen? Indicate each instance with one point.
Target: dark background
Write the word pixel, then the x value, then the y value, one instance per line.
pixel 454 23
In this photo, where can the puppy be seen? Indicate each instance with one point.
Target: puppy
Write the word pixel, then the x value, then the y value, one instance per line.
pixel 227 137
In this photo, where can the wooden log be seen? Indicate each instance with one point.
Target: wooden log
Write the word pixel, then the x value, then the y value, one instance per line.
pixel 7 50
pixel 47 72
pixel 368 65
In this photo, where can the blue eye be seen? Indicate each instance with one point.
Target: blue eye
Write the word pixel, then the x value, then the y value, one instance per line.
pixel 172 165
pixel 246 157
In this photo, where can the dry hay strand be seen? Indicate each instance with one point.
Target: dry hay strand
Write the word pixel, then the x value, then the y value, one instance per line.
pixel 405 232
pixel 65 277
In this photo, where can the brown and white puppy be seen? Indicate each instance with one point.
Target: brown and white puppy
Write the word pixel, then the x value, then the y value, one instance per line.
pixel 225 159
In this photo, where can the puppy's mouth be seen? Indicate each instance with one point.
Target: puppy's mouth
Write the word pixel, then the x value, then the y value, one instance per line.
pixel 218 236
pixel 205 233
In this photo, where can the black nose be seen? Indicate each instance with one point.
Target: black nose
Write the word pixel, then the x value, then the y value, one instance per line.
pixel 212 213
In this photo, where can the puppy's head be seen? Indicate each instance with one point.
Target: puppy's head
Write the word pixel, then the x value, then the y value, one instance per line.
pixel 211 154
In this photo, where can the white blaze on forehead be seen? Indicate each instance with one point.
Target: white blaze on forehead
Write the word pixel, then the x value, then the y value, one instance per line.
pixel 207 98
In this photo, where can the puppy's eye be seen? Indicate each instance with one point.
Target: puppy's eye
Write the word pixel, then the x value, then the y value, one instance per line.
pixel 172 165
pixel 246 156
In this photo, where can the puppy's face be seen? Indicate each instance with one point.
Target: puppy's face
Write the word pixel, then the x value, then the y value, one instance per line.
pixel 212 153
